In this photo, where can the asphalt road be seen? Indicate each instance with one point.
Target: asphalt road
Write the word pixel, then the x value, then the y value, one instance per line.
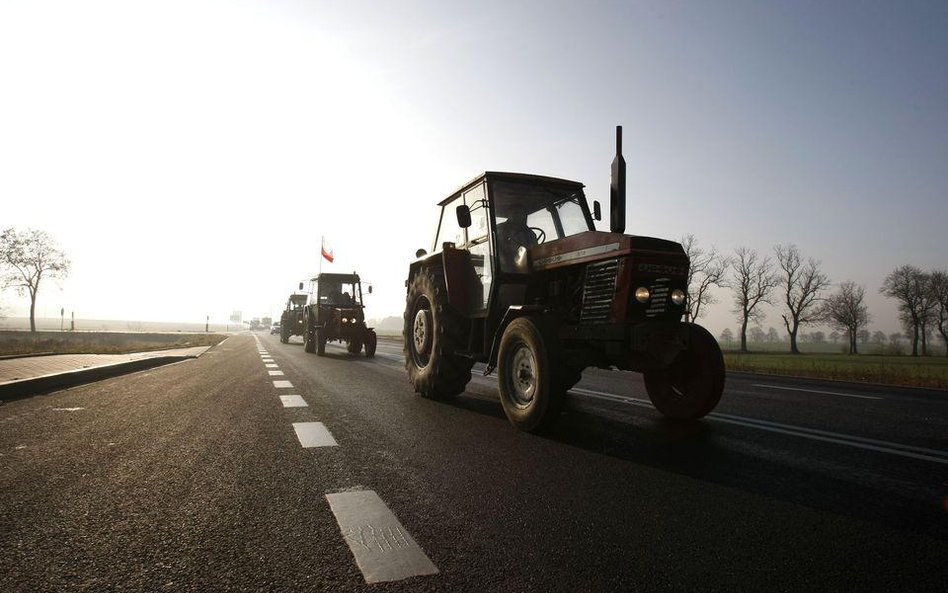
pixel 195 477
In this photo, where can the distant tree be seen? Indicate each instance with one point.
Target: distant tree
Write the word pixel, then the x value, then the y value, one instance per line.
pixel 727 336
pixel 907 285
pixel 938 285
pixel 895 338
pixel 752 284
pixel 846 311
pixel 818 337
pixel 863 336
pixel 757 335
pixel 879 338
pixel 772 336
pixel 706 270
pixel 26 258
pixel 802 284
pixel 834 336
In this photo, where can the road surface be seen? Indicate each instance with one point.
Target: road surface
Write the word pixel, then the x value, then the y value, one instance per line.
pixel 258 467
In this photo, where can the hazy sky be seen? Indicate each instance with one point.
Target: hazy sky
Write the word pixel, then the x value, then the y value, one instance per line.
pixel 189 154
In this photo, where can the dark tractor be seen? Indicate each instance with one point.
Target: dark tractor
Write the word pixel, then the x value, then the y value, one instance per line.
pixel 520 280
pixel 335 313
pixel 291 320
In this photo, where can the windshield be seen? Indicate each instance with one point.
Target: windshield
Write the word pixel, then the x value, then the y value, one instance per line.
pixel 553 212
pixel 339 292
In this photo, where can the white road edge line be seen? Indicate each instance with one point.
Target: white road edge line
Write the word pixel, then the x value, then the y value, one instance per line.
pixel 314 434
pixel 383 549
pixel 816 391
pixel 807 433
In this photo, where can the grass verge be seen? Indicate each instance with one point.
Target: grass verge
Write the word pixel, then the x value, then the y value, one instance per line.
pixel 929 372
pixel 18 342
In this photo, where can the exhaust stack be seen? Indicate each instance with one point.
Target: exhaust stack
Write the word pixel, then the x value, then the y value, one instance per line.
pixel 617 190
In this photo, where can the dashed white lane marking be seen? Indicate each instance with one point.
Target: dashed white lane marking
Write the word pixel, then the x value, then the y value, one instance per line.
pixel 283 385
pixel 293 401
pixel 383 548
pixel 67 409
pixel 276 373
pixel 271 365
pixel 816 391
pixel 314 434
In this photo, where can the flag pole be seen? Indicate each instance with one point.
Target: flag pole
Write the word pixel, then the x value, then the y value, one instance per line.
pixel 322 240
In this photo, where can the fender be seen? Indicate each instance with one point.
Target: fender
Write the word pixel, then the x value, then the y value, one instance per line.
pixel 513 312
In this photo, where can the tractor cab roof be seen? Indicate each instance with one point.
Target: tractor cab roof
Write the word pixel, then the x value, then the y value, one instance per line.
pixel 524 178
pixel 332 277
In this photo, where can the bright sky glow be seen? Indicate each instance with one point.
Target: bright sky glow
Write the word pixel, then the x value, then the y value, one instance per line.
pixel 188 155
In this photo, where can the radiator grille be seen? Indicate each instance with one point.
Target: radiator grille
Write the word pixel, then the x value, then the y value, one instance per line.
pixel 659 301
pixel 598 291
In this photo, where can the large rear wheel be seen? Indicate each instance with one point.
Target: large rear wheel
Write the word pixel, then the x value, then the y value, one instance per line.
pixel 434 332
pixel 309 336
pixel 692 385
pixel 531 375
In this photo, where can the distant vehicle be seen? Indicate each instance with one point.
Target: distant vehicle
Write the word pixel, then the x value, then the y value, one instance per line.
pixel 291 320
pixel 519 279
pixel 275 328
pixel 335 312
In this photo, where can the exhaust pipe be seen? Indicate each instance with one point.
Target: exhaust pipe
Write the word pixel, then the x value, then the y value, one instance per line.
pixel 617 190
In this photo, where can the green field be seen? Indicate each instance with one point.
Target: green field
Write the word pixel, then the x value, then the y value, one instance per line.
pixel 931 371
pixel 20 342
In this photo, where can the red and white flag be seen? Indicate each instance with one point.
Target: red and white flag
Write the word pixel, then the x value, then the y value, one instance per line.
pixel 327 251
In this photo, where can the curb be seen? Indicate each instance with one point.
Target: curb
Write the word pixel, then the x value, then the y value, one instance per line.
pixel 56 381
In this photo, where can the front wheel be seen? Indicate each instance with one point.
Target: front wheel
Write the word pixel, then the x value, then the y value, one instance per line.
pixel 532 390
pixel 371 341
pixel 692 385
pixel 353 346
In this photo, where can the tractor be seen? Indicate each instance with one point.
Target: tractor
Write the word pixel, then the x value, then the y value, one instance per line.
pixel 519 279
pixel 334 312
pixel 291 320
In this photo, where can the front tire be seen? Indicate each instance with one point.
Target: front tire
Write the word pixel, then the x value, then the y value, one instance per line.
pixel 353 346
pixel 434 332
pixel 531 376
pixel 692 385
pixel 371 341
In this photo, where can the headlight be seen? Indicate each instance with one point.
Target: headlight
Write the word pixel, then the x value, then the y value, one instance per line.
pixel 678 296
pixel 642 294
pixel 345 320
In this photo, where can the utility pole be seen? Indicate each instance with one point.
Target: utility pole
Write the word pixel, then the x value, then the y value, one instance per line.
pixel 62 318
pixel 207 324
pixel 72 324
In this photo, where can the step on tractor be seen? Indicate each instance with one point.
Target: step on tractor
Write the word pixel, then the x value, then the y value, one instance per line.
pixel 519 279
pixel 334 312
pixel 291 320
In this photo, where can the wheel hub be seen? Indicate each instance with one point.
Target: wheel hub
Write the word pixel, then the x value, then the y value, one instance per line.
pixel 524 379
pixel 421 331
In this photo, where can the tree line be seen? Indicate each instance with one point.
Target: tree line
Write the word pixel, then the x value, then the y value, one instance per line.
pixel 799 287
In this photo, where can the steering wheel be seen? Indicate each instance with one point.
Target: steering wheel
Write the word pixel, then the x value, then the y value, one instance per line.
pixel 540 233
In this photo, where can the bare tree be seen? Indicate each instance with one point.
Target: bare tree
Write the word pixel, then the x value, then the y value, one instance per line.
pixel 727 335
pixel 706 269
pixel 906 284
pixel 802 283
pixel 846 311
pixel 27 257
pixel 753 282
pixel 938 286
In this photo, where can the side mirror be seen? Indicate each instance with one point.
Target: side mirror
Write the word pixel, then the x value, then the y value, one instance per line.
pixel 597 210
pixel 464 216
pixel 301 286
pixel 420 253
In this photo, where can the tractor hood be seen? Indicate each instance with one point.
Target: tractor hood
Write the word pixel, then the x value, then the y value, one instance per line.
pixel 593 246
